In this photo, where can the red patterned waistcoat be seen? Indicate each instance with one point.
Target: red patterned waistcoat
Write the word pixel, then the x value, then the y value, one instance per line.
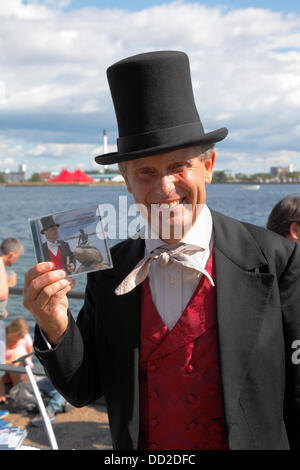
pixel 180 394
pixel 58 259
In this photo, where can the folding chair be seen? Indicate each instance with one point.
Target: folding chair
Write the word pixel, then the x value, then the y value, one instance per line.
pixel 26 369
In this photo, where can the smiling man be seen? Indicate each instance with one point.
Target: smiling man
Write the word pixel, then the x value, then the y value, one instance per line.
pixel 170 189
pixel 190 336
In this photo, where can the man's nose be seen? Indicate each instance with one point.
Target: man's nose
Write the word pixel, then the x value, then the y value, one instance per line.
pixel 166 183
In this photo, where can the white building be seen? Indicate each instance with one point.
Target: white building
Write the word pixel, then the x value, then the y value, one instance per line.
pixel 15 176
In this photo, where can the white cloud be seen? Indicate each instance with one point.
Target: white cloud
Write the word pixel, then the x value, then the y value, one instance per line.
pixel 69 151
pixel 2 93
pixel 245 68
pixel 16 9
pixel 59 150
pixel 259 161
pixel 9 161
pixel 9 152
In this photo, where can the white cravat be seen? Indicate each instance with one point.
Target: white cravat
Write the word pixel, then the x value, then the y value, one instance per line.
pixel 179 253
pixel 172 285
pixel 53 247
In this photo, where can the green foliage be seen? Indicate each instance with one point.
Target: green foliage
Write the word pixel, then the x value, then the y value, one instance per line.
pixel 2 178
pixel 221 177
pixel 35 178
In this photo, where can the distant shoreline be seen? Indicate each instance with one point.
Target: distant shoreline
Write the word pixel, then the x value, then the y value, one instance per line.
pixel 122 183
pixel 30 184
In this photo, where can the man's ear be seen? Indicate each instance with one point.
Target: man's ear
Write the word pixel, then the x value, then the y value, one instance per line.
pixel 209 164
pixel 294 231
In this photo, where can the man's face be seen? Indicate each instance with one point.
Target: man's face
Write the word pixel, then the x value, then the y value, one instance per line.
pixel 173 186
pixel 52 234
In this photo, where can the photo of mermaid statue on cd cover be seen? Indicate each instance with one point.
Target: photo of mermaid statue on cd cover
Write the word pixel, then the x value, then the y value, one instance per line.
pixel 73 240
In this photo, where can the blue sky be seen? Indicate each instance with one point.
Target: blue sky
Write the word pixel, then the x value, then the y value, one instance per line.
pixel 136 5
pixel 55 100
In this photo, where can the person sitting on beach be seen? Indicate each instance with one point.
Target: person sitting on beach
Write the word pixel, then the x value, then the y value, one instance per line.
pixel 11 250
pixel 284 218
pixel 18 344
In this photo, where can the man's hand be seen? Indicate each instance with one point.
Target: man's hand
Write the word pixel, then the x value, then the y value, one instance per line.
pixel 45 297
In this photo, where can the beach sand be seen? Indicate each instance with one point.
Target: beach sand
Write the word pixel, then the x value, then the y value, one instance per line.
pixel 83 428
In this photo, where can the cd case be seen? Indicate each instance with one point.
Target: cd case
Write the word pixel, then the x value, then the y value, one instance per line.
pixel 73 240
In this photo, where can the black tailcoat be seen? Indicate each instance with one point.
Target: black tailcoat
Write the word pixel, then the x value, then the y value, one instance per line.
pixel 258 319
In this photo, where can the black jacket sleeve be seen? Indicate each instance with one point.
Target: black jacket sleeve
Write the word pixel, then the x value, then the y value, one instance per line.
pixel 74 364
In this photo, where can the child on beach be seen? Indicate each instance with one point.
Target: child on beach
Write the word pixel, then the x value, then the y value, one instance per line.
pixel 18 343
pixel 11 249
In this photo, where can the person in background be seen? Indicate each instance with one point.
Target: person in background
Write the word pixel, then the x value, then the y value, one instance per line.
pixel 11 250
pixel 18 344
pixel 284 218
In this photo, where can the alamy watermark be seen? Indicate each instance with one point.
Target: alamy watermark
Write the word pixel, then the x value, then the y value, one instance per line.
pixel 129 220
pixel 296 354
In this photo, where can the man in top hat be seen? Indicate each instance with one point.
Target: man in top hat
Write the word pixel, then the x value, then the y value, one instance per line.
pixel 190 337
pixel 54 250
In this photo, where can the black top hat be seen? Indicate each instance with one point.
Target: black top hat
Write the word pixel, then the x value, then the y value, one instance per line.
pixel 47 222
pixel 155 108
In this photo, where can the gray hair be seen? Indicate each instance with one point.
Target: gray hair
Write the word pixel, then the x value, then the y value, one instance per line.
pixel 11 244
pixel 203 151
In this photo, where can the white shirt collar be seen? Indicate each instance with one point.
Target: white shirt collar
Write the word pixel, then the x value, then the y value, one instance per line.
pixel 200 234
pixel 53 247
pixel 52 244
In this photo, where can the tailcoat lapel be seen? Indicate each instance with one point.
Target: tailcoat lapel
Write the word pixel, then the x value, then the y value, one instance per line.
pixel 243 286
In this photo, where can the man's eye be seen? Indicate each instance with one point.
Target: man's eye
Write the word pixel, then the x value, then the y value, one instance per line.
pixel 179 166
